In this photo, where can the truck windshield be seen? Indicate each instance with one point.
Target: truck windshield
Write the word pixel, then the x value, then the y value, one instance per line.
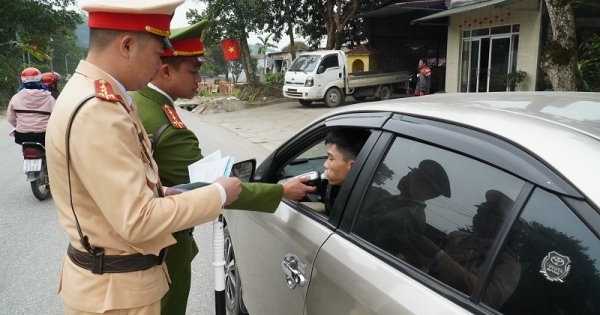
pixel 305 63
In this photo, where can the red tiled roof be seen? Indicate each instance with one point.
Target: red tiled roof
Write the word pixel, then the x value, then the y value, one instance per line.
pixel 364 49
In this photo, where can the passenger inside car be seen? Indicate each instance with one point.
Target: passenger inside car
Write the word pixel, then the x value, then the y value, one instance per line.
pixel 392 219
pixel 343 147
pixel 459 261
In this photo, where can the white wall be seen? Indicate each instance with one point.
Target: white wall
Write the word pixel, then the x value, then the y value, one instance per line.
pixel 526 13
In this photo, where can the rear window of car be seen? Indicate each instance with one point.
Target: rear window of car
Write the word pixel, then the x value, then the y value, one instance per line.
pixel 440 212
pixel 559 258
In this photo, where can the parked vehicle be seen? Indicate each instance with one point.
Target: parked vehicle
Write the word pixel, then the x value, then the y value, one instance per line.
pixel 34 166
pixel 322 76
pixel 515 228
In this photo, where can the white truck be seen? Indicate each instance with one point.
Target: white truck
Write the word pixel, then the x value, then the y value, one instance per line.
pixel 322 76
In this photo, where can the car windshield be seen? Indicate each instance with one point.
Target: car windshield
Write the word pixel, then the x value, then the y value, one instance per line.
pixel 305 63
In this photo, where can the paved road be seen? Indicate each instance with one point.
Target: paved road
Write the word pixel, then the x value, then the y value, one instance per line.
pixel 33 244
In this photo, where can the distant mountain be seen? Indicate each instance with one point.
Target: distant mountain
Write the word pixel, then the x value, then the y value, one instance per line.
pixel 83 33
pixel 254 50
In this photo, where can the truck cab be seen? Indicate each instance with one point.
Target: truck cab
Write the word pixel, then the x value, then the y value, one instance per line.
pixel 323 76
pixel 313 74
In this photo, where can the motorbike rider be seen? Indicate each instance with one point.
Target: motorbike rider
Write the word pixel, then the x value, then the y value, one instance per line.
pixel 29 109
pixel 50 81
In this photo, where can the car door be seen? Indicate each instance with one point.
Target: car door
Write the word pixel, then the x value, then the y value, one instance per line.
pixel 329 73
pixel 275 252
pixel 426 223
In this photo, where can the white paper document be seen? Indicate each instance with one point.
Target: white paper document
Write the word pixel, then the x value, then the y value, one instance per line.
pixel 211 167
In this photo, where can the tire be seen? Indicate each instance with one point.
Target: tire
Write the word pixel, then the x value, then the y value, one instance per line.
pixel 360 98
pixel 305 102
pixel 384 93
pixel 233 284
pixel 41 186
pixel 333 97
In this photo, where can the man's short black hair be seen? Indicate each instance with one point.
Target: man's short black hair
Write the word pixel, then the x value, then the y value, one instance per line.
pixel 348 141
pixel 173 61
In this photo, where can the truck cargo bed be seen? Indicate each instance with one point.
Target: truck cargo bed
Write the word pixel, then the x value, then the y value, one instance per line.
pixel 358 80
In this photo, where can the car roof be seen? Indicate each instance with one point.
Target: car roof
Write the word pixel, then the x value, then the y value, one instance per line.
pixel 561 128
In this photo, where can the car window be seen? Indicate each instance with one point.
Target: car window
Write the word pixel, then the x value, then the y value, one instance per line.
pixel 436 210
pixel 330 61
pixel 559 259
pixel 311 159
pixel 333 163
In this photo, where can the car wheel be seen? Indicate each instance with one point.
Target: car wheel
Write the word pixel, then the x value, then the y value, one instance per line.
pixel 333 97
pixel 233 284
pixel 305 102
pixel 384 93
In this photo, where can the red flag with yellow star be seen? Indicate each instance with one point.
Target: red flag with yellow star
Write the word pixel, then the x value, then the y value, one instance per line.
pixel 231 49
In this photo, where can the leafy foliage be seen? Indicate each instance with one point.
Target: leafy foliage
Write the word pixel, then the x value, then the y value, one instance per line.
pixel 298 45
pixel 263 45
pixel 336 21
pixel 513 79
pixel 233 19
pixel 589 64
pixel 275 78
pixel 25 25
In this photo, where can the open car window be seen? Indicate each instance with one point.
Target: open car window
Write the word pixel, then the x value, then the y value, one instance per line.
pixel 316 154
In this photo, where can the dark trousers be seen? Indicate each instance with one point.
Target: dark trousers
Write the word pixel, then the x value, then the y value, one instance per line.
pixel 30 137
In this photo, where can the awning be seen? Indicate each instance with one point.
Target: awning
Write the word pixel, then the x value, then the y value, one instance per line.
pixel 464 8
pixel 398 8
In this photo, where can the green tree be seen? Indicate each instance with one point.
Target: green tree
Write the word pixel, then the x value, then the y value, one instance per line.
pixel 26 24
pixel 263 45
pixel 559 61
pixel 234 19
pixel 298 45
pixel 283 19
pixel 336 20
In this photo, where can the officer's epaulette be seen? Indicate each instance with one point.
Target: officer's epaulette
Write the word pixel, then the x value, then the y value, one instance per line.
pixel 173 117
pixel 104 91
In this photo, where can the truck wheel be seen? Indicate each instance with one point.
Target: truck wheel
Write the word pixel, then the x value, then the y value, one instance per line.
pixel 360 98
pixel 384 93
pixel 333 97
pixel 305 102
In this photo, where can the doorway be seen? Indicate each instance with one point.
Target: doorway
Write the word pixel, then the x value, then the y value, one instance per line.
pixel 487 56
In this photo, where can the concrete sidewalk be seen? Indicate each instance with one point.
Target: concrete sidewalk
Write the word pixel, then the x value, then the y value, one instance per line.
pixel 268 126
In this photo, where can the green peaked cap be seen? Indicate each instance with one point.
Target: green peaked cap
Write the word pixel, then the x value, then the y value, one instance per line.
pixel 188 32
pixel 187 41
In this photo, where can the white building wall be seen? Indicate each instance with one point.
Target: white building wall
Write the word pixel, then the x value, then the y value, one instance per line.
pixel 526 13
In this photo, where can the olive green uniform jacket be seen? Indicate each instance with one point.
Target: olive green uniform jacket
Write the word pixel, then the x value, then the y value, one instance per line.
pixel 173 152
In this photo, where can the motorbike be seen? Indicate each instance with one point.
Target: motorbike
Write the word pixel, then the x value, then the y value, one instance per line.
pixel 34 166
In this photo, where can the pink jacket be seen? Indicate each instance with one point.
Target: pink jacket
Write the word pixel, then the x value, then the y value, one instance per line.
pixel 29 110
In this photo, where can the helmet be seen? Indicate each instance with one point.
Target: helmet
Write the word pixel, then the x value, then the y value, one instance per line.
pixel 50 77
pixel 31 75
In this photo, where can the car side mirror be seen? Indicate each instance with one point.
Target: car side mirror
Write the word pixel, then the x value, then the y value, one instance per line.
pixel 244 170
pixel 321 69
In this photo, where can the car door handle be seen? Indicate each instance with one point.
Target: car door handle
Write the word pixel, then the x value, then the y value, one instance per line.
pixel 340 75
pixel 294 270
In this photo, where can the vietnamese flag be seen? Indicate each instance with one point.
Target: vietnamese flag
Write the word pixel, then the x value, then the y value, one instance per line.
pixel 231 49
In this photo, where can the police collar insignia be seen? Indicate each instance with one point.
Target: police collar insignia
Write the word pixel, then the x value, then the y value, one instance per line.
pixel 555 267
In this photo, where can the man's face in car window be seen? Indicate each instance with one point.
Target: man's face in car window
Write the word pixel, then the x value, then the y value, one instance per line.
pixel 336 167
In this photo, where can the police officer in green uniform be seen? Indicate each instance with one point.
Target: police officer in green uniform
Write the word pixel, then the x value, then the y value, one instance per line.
pixel 176 147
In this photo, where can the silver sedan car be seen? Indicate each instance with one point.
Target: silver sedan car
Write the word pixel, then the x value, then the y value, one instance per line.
pixel 452 204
